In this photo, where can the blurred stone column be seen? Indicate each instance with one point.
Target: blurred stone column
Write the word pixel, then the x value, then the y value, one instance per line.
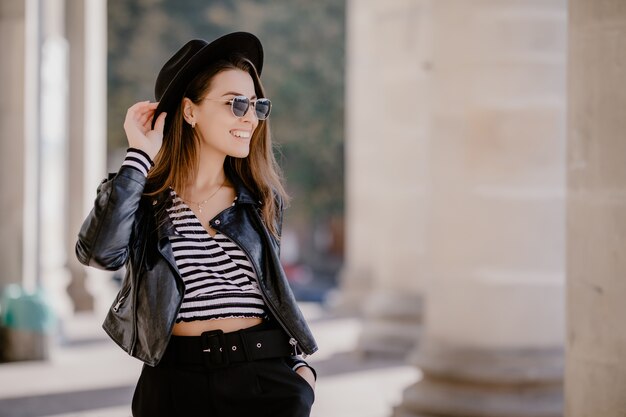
pixel 361 125
pixel 86 33
pixel 595 381
pixel 12 134
pixel 20 49
pixel 75 26
pixel 494 321
pixel 396 37
pixel 53 165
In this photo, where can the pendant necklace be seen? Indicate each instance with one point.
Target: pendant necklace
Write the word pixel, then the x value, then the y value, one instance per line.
pixel 203 202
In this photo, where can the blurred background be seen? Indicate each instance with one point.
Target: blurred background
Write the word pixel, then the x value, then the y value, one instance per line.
pixel 456 235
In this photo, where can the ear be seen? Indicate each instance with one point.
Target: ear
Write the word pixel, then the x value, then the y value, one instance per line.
pixel 189 111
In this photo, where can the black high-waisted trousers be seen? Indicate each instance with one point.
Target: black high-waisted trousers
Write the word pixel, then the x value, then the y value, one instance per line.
pixel 267 387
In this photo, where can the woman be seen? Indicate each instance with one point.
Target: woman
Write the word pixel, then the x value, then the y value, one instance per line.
pixel 195 215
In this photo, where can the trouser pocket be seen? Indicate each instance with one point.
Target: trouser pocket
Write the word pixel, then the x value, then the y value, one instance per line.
pixel 283 389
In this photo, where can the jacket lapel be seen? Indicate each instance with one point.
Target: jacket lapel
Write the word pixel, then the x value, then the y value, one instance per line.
pixel 165 227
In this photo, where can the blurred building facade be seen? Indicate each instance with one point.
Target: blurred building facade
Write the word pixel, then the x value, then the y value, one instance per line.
pixel 470 196
pixel 466 189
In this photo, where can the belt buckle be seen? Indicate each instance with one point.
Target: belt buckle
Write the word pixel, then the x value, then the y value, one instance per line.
pixel 213 349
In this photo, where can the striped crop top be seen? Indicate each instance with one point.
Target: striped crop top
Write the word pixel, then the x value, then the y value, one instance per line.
pixel 220 281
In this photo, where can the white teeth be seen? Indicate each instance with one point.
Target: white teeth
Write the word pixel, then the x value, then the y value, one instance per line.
pixel 241 133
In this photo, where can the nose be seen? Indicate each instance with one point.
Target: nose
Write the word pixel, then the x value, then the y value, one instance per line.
pixel 250 115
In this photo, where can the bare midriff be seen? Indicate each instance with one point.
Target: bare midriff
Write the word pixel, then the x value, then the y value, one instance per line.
pixel 196 328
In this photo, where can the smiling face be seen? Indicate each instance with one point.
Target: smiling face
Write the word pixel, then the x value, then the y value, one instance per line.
pixel 217 129
pixel 219 134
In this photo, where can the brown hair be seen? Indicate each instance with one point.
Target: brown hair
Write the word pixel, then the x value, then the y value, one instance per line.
pixel 177 161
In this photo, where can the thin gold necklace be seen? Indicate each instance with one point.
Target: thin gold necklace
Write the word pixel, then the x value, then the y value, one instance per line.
pixel 203 202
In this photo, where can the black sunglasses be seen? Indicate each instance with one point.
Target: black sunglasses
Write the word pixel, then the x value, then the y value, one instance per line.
pixel 239 105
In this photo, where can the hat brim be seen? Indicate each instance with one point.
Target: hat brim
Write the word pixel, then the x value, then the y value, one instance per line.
pixel 243 43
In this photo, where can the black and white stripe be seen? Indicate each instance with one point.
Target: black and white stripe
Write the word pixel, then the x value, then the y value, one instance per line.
pixel 139 160
pixel 220 281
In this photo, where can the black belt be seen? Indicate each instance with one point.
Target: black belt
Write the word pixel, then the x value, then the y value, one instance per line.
pixel 216 349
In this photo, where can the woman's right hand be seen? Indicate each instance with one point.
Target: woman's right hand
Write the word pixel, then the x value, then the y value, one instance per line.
pixel 138 128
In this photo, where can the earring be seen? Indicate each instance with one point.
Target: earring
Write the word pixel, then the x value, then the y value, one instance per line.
pixel 193 125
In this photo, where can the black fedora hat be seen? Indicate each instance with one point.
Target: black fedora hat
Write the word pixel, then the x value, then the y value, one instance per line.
pixel 192 58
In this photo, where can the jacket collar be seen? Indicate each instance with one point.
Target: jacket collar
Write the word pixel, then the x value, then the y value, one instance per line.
pixel 164 224
pixel 160 202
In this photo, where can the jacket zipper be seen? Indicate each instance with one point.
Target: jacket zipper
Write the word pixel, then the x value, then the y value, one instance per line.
pixel 119 303
pixel 292 340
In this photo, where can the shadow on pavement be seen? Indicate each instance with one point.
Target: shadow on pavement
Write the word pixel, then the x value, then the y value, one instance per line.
pixel 66 402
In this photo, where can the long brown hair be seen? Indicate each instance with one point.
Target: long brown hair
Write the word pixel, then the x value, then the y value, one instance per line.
pixel 177 161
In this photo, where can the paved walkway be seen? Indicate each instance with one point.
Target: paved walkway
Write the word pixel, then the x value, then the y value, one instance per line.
pixel 88 375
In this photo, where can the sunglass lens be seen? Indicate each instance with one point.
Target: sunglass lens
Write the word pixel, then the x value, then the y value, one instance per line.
pixel 262 108
pixel 240 106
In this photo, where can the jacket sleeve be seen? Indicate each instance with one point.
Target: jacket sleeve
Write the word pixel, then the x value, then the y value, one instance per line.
pixel 104 237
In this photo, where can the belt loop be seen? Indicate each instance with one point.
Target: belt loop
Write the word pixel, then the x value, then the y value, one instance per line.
pixel 244 344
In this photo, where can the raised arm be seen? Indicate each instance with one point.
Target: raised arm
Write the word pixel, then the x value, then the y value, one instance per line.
pixel 105 235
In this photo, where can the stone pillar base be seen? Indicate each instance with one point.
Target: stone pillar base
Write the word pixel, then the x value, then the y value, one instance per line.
pixel 22 345
pixel 392 324
pixel 475 382
pixel 354 288
pixel 81 298
pixel 438 398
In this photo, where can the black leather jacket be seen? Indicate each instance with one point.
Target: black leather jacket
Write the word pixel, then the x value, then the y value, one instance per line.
pixel 125 227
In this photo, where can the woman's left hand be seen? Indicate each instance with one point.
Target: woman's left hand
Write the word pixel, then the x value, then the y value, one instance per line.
pixel 307 374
